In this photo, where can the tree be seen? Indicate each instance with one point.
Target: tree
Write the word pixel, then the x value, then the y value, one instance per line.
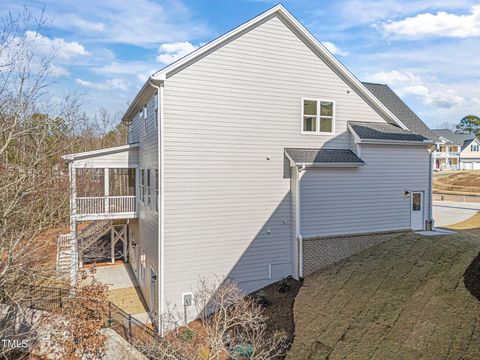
pixel 469 124
pixel 35 130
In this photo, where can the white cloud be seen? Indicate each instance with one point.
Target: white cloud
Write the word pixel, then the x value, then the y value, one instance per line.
pixel 61 49
pixel 107 85
pixel 439 24
pixel 140 69
pixel 430 91
pixel 171 52
pixel 73 21
pixel 146 23
pixel 334 49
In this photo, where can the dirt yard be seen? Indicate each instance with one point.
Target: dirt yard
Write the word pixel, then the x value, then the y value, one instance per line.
pixel 463 182
pixel 403 299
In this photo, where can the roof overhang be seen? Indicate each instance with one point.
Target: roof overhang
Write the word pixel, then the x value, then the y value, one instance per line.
pixel 290 21
pixel 310 161
pixel 100 152
pixel 358 140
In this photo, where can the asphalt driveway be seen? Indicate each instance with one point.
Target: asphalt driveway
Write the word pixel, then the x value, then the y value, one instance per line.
pixel 403 299
pixel 448 212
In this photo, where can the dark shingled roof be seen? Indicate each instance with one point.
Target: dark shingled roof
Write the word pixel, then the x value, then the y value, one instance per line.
pixel 393 103
pixel 323 156
pixel 457 139
pixel 382 131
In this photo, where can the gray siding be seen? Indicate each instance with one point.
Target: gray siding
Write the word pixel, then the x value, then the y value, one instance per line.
pixel 228 208
pixel 146 230
pixel 367 199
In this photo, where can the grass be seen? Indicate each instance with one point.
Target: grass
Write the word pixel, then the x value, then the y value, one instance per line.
pixel 463 182
pixel 127 299
pixel 468 224
pixel 403 299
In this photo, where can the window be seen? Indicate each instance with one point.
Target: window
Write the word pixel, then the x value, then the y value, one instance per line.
pixel 318 116
pixel 474 147
pixel 142 265
pixel 144 114
pixel 156 190
pixel 142 185
pixel 156 109
pixel 148 188
pixel 417 201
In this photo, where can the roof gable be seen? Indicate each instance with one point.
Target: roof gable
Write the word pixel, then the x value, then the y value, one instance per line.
pixel 296 27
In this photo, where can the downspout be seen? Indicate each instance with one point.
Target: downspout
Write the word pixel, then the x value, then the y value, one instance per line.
pixel 298 226
pixel 161 191
pixel 430 179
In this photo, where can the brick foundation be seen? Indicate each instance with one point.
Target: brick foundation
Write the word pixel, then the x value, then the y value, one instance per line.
pixel 320 252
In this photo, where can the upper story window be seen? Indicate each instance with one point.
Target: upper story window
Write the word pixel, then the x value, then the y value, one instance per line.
pixel 144 114
pixel 474 147
pixel 148 188
pixel 318 116
pixel 142 185
pixel 155 99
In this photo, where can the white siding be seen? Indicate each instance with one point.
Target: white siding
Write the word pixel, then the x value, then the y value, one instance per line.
pixel 367 199
pixel 227 208
pixel 122 159
pixel 147 230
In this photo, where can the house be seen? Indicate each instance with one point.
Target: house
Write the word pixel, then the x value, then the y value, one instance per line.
pixel 456 151
pixel 256 157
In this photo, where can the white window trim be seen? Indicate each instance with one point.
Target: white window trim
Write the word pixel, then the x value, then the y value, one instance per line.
pixel 142 185
pixel 318 132
pixel 148 185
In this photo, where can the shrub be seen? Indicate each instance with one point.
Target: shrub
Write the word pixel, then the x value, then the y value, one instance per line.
pixel 283 286
pixel 187 334
pixel 261 298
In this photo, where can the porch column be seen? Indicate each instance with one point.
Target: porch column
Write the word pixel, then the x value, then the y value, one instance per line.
pixel 73 224
pixel 106 186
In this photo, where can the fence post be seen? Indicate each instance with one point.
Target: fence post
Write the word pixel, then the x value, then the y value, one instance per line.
pixel 60 296
pixel 109 314
pixel 129 326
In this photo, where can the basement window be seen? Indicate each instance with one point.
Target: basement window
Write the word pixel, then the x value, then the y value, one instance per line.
pixel 318 116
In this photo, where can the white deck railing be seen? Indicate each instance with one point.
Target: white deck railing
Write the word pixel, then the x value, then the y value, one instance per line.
pixel 91 205
pixel 106 205
pixel 64 240
pixel 121 204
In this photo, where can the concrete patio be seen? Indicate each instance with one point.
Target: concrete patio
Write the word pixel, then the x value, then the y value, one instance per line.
pixel 124 290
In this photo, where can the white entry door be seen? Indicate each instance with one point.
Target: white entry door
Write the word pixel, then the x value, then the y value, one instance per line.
pixel 417 211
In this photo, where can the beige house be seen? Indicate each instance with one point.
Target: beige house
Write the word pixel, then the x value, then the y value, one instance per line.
pixel 256 157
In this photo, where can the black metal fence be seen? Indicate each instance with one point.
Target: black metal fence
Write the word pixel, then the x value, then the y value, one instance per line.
pixel 131 329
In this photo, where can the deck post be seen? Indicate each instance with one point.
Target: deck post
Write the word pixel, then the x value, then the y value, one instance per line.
pixel 73 224
pixel 106 185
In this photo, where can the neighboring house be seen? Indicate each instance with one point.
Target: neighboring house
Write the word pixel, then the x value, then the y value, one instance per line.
pixel 258 156
pixel 456 151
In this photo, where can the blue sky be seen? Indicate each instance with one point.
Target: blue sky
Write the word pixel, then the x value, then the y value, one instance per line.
pixel 428 51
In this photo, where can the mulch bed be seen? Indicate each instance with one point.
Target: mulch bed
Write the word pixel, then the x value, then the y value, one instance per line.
pixel 280 310
pixel 471 277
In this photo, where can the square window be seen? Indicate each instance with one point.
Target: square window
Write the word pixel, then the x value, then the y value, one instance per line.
pixel 318 116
